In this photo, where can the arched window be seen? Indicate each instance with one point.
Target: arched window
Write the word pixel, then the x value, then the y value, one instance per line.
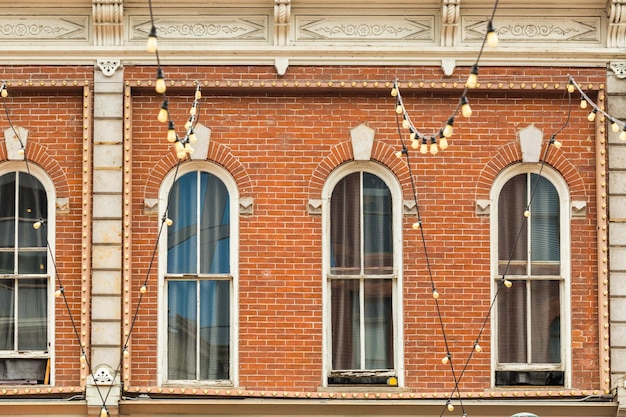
pixel 26 225
pixel 530 249
pixel 199 269
pixel 362 262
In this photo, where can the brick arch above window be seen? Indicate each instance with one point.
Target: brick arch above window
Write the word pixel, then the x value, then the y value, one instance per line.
pixel 38 154
pixel 217 153
pixel 511 154
pixel 342 153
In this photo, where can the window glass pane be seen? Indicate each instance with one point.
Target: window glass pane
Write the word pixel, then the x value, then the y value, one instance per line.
pixel 7 262
pixel 214 329
pixel 182 234
pixel 512 227
pixel 512 324
pixel 32 208
pixel 32 322
pixel 346 318
pixel 7 211
pixel 214 226
pixel 378 316
pixel 7 314
pixel 377 226
pixel 345 226
pixel 181 329
pixel 545 228
pixel 546 321
pixel 32 262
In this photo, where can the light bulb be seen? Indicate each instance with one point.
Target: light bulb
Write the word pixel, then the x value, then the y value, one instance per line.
pixel 151 45
pixel 622 135
pixel 160 82
pixel 392 381
pixel 445 359
pixel 435 294
pixel 592 116
pixel 192 137
pixel 614 126
pixel 169 221
pixel 193 110
pixel 163 112
pixel 83 358
pixel 443 143
pixel 492 36
pixel 104 412
pixel 399 109
pixel 399 154
pixel 178 146
pixel 508 283
pixel 189 149
pixel 450 407
pixel 583 104
pixel 405 123
pixel 20 152
pixel 416 225
pixel 527 213
pixel 188 124
pixel 171 133
pixel 181 154
pixel 557 144
pixel 434 149
pixel 143 289
pixel 478 348
pixel 472 80
pixel 4 92
pixel 126 353
pixel 198 94
pixel 466 110
pixel 570 87
pixel 449 129
pixel 394 92
pixel 415 143
pixel 58 292
pixel 36 225
pixel 424 147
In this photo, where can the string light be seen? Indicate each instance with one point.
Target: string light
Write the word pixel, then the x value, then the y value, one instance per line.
pixel 3 91
pixel 104 412
pixel 143 289
pixel 171 132
pixel 163 112
pixel 435 294
pixel 492 36
pixel 472 80
pixel 448 129
pixel 622 134
pixel 614 125
pixel 466 110
pixel 583 104
pixel 592 116
pixel 151 45
pixel 160 87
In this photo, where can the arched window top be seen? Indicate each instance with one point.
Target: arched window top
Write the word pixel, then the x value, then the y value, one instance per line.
pixel 370 167
pixel 545 171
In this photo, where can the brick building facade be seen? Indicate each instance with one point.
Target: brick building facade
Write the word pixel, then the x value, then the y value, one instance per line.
pixel 243 279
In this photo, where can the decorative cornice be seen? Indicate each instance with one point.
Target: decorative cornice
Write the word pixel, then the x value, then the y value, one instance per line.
pixel 370 28
pixel 450 12
pixel 282 21
pixel 518 29
pixel 108 22
pixel 43 28
pixel 616 30
pixel 108 66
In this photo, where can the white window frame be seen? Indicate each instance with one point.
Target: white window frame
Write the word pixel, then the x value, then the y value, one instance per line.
pixel 397 216
pixel 48 185
pixel 231 185
pixel 562 189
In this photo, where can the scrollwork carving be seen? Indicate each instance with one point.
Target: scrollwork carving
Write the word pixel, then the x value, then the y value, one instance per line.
pixel 282 20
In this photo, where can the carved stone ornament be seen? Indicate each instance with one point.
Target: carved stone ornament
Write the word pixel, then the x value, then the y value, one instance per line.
pixel 102 376
pixel 362 142
pixel 15 142
pixel 282 20
pixel 246 206
pixel 314 207
pixel 449 21
pixel 615 37
pixel 409 207
pixel 108 66
pixel 619 69
pixel 530 139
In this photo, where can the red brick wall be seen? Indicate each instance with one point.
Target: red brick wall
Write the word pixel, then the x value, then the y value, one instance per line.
pixel 53 116
pixel 281 136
